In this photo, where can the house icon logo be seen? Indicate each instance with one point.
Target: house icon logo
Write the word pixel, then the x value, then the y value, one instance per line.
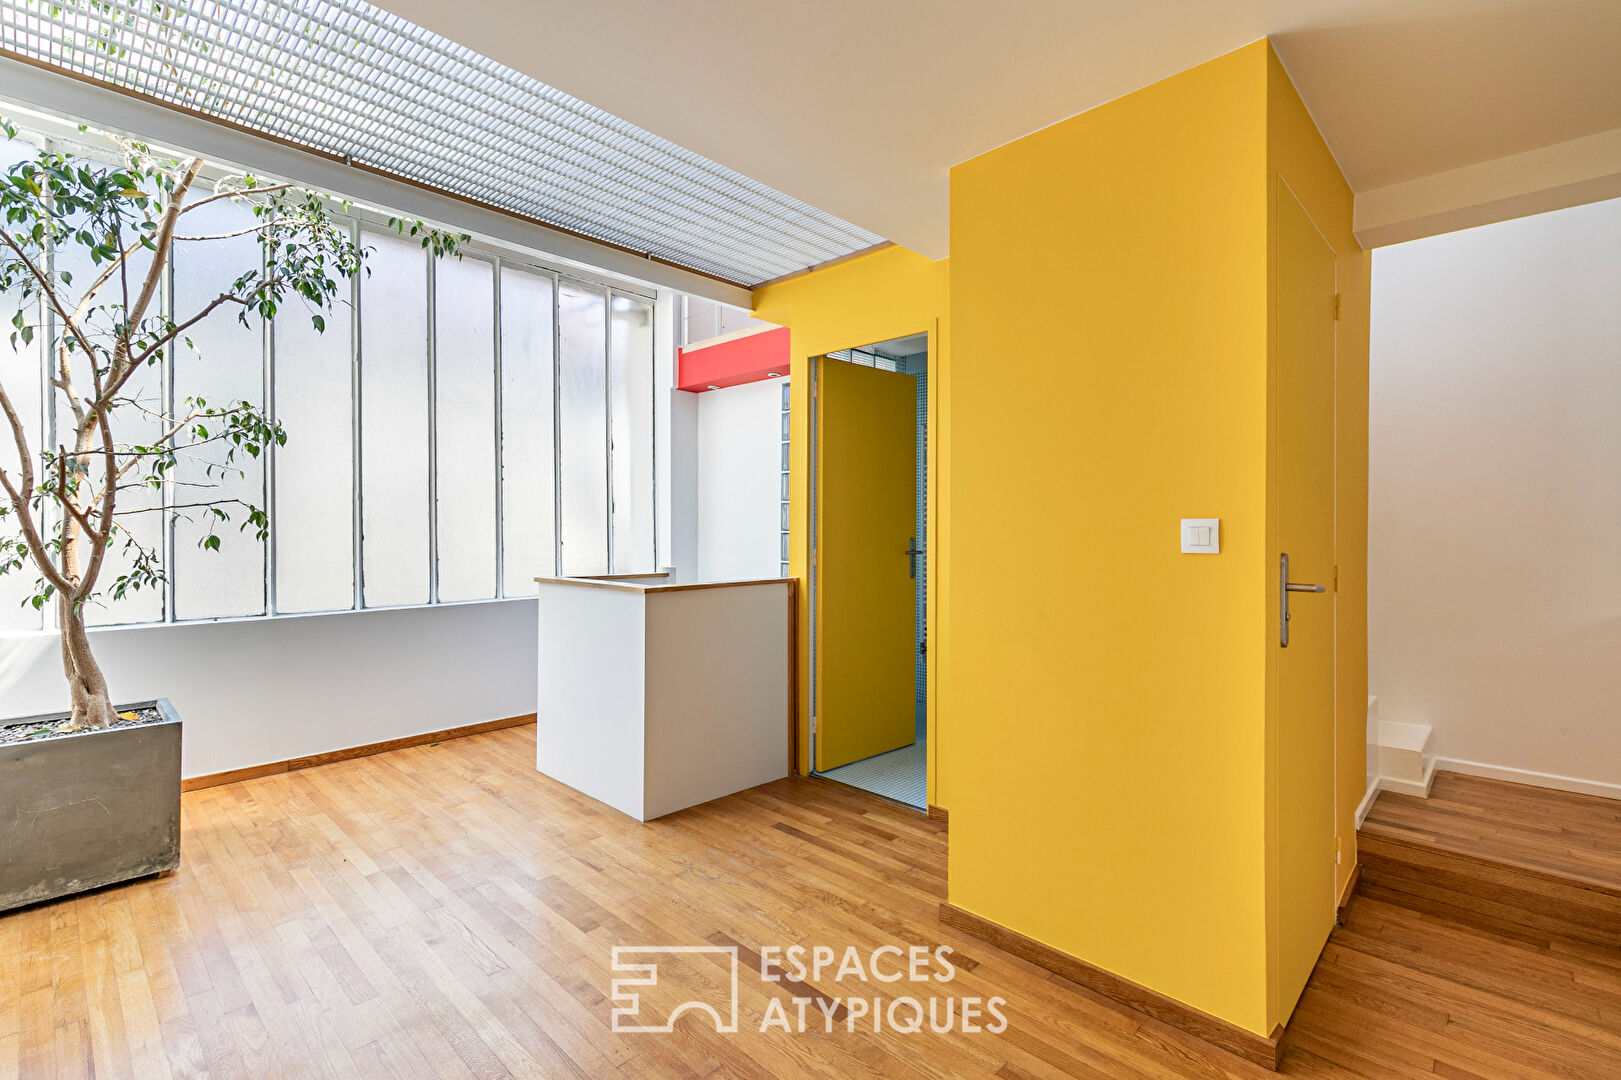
pixel 699 990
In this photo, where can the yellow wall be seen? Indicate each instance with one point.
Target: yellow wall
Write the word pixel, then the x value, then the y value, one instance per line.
pixel 1099 717
pixel 1109 319
pixel 888 294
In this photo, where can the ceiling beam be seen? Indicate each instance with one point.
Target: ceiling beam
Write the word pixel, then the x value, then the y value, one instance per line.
pixel 1570 173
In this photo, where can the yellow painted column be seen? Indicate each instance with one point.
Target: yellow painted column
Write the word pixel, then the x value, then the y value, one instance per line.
pixel 1102 707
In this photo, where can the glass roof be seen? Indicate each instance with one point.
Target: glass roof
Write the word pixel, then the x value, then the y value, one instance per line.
pixel 352 80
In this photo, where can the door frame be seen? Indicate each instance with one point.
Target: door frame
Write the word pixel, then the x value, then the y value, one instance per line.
pixel 804 491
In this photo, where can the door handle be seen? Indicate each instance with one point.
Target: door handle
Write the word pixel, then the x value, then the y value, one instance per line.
pixel 911 553
pixel 1285 587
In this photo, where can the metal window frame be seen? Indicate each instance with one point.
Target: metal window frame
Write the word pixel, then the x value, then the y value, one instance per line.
pixel 357 564
pixel 432 301
pixel 499 258
pixel 497 427
pixel 608 415
pixel 268 369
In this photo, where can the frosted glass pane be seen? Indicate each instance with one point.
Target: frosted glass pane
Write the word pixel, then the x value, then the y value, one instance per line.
pixel 20 375
pixel 394 421
pixel 224 365
pixel 528 462
pixel 314 510
pixel 13 151
pixel 140 518
pixel 583 412
pixel 139 515
pixel 464 427
pixel 630 384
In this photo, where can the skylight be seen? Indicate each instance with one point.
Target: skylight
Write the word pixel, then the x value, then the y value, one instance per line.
pixel 352 80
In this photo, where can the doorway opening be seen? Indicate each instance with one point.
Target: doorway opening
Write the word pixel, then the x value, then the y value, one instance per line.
pixel 869 572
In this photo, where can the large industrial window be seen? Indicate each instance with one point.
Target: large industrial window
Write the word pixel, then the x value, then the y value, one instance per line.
pixel 462 426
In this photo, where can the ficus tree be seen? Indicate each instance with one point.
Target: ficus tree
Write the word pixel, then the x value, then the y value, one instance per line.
pixel 67 504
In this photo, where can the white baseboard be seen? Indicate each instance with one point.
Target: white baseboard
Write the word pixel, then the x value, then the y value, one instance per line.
pixel 1527 776
pixel 1367 802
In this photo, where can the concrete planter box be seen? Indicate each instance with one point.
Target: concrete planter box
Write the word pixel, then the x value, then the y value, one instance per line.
pixel 89 809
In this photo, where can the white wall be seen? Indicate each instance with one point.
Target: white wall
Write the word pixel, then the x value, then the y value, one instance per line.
pixel 1494 598
pixel 252 691
pixel 666 424
pixel 704 319
pixel 681 457
pixel 739 491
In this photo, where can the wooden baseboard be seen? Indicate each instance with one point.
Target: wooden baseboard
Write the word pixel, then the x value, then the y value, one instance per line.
pixel 940 814
pixel 272 768
pixel 1266 1051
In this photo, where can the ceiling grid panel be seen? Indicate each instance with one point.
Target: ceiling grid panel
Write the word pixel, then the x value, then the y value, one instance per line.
pixel 350 80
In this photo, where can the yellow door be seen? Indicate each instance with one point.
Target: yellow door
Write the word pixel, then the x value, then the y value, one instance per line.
pixel 1304 314
pixel 866 491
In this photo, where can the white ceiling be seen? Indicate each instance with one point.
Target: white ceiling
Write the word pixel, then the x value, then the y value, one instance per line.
pixel 860 107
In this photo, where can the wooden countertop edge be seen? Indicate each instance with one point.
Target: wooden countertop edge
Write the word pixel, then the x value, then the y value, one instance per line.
pixel 625 586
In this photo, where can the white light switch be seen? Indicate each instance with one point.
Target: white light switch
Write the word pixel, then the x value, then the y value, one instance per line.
pixel 1201 536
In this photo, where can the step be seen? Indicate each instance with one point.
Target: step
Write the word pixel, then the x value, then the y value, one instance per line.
pixel 1406 757
pixel 1529 863
pixel 1418 787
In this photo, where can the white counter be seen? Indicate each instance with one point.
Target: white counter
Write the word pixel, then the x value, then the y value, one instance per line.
pixel 655 697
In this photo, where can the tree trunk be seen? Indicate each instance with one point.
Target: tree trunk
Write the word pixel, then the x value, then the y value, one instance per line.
pixel 87 686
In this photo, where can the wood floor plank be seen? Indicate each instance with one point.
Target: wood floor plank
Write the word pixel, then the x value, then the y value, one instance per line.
pixel 1565 834
pixel 1511 860
pixel 447 912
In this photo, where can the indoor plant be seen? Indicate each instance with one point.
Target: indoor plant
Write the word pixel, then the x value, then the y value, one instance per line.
pixel 61 505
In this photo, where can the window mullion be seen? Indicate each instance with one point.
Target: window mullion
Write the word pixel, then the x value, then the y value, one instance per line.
pixel 166 407
pixel 557 424
pixel 267 371
pixel 356 490
pixel 608 410
pixel 47 360
pixel 500 492
pixel 433 432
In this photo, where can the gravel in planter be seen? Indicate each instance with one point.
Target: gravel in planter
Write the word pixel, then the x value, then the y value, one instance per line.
pixel 27 732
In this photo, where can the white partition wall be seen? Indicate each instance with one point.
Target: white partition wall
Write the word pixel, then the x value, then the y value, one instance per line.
pixel 740 481
pixel 655 698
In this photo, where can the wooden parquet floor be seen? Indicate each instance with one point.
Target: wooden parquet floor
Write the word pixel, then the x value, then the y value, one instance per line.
pixel 446 912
